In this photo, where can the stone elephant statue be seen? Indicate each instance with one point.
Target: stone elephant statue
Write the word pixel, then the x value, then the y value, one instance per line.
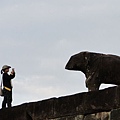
pixel 98 68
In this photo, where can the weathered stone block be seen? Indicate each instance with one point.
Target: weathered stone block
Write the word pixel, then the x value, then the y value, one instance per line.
pixel 42 109
pixel 94 105
pixel 115 114
pixel 98 116
pixel 16 113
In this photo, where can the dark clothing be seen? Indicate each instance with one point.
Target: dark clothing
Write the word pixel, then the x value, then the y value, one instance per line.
pixel 7 80
pixel 7 91
pixel 7 98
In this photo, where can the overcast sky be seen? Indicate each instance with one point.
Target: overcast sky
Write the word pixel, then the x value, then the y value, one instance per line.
pixel 37 38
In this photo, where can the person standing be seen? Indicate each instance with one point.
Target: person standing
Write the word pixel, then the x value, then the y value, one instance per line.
pixel 7 86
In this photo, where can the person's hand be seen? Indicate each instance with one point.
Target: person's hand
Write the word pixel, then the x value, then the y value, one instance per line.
pixel 13 71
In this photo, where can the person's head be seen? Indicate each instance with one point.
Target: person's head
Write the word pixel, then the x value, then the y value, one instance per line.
pixel 5 69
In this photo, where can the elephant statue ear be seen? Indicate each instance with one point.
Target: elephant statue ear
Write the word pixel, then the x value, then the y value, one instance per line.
pixel 86 55
pixel 91 57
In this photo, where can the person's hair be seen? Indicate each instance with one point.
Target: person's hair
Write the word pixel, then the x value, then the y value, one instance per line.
pixel 1 71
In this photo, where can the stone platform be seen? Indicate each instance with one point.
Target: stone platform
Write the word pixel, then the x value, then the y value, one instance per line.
pixel 95 105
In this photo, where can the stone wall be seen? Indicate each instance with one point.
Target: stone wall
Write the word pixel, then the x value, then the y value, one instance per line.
pixel 95 105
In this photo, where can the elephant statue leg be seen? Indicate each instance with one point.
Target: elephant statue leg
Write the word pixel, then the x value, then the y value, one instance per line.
pixel 92 84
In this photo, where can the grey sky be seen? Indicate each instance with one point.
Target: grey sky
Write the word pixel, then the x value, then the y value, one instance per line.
pixel 37 37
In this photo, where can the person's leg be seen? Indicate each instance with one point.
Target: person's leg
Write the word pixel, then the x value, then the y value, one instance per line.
pixel 4 102
pixel 5 99
pixel 9 99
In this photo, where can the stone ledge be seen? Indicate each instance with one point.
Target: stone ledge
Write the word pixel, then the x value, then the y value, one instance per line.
pixel 79 104
pixel 115 114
